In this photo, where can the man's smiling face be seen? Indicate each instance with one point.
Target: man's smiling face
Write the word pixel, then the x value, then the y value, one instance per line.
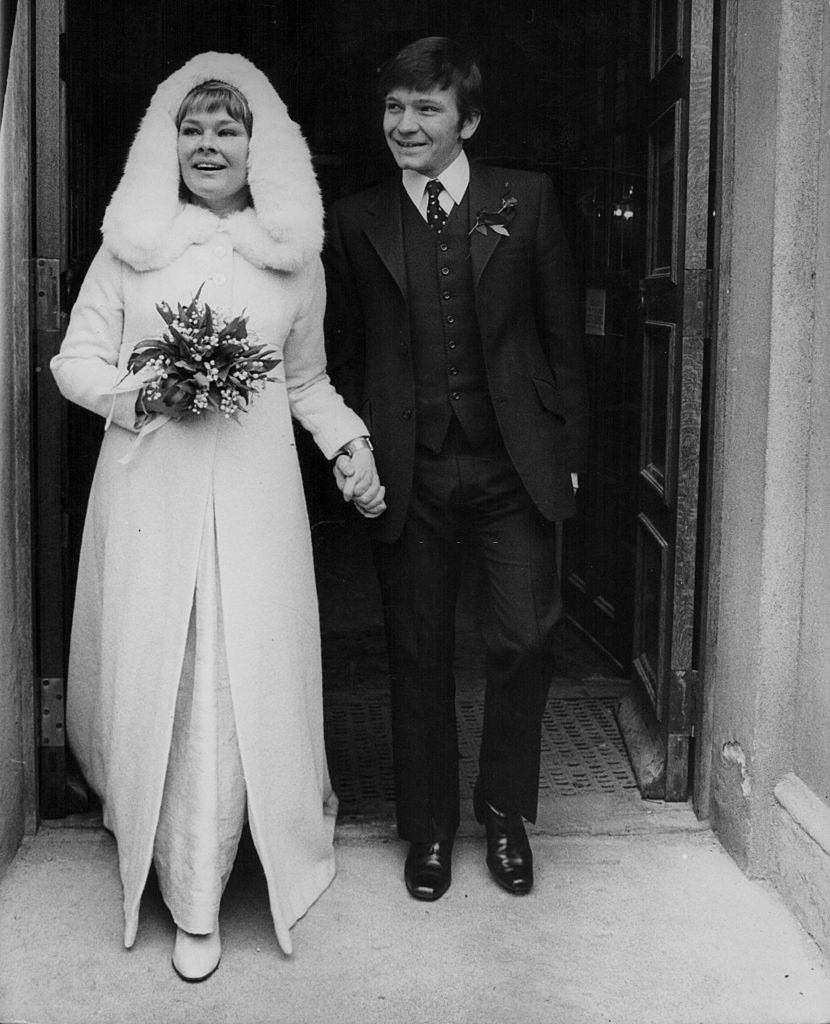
pixel 424 130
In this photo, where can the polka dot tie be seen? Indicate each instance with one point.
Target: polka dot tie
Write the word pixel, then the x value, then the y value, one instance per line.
pixel 436 214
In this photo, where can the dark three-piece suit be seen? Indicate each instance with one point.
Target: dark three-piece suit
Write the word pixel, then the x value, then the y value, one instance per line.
pixel 462 353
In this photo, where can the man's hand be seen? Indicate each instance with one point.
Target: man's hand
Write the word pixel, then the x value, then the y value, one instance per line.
pixel 358 481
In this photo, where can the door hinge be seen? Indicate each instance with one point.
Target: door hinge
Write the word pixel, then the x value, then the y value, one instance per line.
pixel 52 712
pixel 683 697
pixel 52 751
pixel 47 294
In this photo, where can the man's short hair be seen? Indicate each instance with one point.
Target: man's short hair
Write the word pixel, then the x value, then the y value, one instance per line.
pixel 435 63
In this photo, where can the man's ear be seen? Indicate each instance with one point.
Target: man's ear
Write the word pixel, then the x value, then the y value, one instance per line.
pixel 468 129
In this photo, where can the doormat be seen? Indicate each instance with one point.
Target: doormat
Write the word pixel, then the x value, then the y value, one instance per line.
pixel 582 749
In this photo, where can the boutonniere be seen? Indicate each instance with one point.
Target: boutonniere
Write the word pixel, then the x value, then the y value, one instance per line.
pixel 499 219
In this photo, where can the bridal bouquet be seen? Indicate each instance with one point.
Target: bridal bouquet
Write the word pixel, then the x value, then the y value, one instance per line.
pixel 202 361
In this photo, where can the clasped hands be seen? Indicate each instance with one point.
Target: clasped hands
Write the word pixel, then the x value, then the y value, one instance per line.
pixel 358 481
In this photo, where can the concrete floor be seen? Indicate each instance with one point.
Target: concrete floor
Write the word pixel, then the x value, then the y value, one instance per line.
pixel 638 917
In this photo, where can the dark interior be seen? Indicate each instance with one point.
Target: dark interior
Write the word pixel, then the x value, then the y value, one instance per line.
pixel 564 93
pixel 565 83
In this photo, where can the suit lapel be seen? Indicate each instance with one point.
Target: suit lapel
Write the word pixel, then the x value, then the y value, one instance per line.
pixel 384 229
pixel 384 226
pixel 486 191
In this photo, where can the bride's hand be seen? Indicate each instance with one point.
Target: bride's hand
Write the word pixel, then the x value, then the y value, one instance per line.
pixel 145 406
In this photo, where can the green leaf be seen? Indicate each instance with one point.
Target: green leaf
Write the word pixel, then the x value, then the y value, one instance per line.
pixel 166 312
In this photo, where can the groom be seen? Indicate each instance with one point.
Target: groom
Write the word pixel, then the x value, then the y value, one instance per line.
pixel 452 329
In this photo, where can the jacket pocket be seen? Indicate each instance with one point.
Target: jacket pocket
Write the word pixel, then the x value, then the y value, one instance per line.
pixel 549 397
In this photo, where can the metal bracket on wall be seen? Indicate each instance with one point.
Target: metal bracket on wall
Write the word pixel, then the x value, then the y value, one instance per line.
pixel 52 748
pixel 47 294
pixel 52 718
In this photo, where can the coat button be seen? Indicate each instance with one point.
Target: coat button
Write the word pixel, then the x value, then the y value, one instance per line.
pixel 445 271
pixel 407 414
pixel 453 371
pixel 450 319
pixel 446 295
pixel 456 396
pixel 444 247
pixel 451 344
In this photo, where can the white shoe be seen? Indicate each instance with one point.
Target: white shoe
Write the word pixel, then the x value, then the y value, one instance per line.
pixel 196 957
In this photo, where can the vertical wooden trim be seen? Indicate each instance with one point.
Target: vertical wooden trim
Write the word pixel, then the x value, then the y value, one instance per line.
pixel 49 204
pixel 723 110
pixel 699 135
pixel 50 148
pixel 686 521
pixel 18 185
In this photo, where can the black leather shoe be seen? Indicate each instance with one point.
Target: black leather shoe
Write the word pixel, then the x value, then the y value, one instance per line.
pixel 428 869
pixel 509 856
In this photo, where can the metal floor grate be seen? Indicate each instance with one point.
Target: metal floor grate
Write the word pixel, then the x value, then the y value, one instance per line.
pixel 582 749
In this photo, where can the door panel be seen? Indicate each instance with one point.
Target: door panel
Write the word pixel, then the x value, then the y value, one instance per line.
pixel 675 309
pixel 657 428
pixel 665 145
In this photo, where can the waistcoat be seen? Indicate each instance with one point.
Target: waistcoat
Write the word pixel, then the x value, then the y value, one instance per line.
pixel 447 353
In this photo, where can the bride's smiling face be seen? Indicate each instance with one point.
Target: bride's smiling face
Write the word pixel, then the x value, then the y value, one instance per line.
pixel 213 158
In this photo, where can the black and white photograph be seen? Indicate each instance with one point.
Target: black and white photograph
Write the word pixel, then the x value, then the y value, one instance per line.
pixel 414 511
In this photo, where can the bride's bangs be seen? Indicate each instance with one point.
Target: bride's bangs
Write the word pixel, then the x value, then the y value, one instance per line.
pixel 210 97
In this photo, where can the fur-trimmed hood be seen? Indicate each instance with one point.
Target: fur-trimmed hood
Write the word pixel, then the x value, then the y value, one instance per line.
pixel 147 226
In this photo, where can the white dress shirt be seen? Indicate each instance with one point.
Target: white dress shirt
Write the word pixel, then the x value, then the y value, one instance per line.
pixel 454 178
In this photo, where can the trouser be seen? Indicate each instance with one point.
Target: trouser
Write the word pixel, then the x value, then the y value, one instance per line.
pixel 463 496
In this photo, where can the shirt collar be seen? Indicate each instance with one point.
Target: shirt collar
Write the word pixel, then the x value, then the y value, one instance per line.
pixel 454 178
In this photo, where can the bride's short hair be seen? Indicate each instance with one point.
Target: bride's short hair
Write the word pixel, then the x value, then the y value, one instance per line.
pixel 208 97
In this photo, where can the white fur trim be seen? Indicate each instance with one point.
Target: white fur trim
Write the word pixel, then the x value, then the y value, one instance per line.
pixel 146 224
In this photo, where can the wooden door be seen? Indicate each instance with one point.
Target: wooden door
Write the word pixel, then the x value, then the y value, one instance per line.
pixel 49 190
pixel 604 206
pixel 598 52
pixel 658 722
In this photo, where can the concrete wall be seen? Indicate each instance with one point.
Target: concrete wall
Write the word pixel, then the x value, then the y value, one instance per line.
pixel 16 670
pixel 811 755
pixel 768 699
pixel 801 836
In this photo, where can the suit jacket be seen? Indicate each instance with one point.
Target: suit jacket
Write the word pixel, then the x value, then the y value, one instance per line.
pixel 527 315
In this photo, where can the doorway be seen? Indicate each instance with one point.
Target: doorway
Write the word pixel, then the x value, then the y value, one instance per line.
pixel 566 94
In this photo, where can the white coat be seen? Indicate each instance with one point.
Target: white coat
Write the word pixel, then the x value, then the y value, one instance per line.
pixel 143 529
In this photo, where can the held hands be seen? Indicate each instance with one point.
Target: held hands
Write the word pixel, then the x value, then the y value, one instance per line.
pixel 358 481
